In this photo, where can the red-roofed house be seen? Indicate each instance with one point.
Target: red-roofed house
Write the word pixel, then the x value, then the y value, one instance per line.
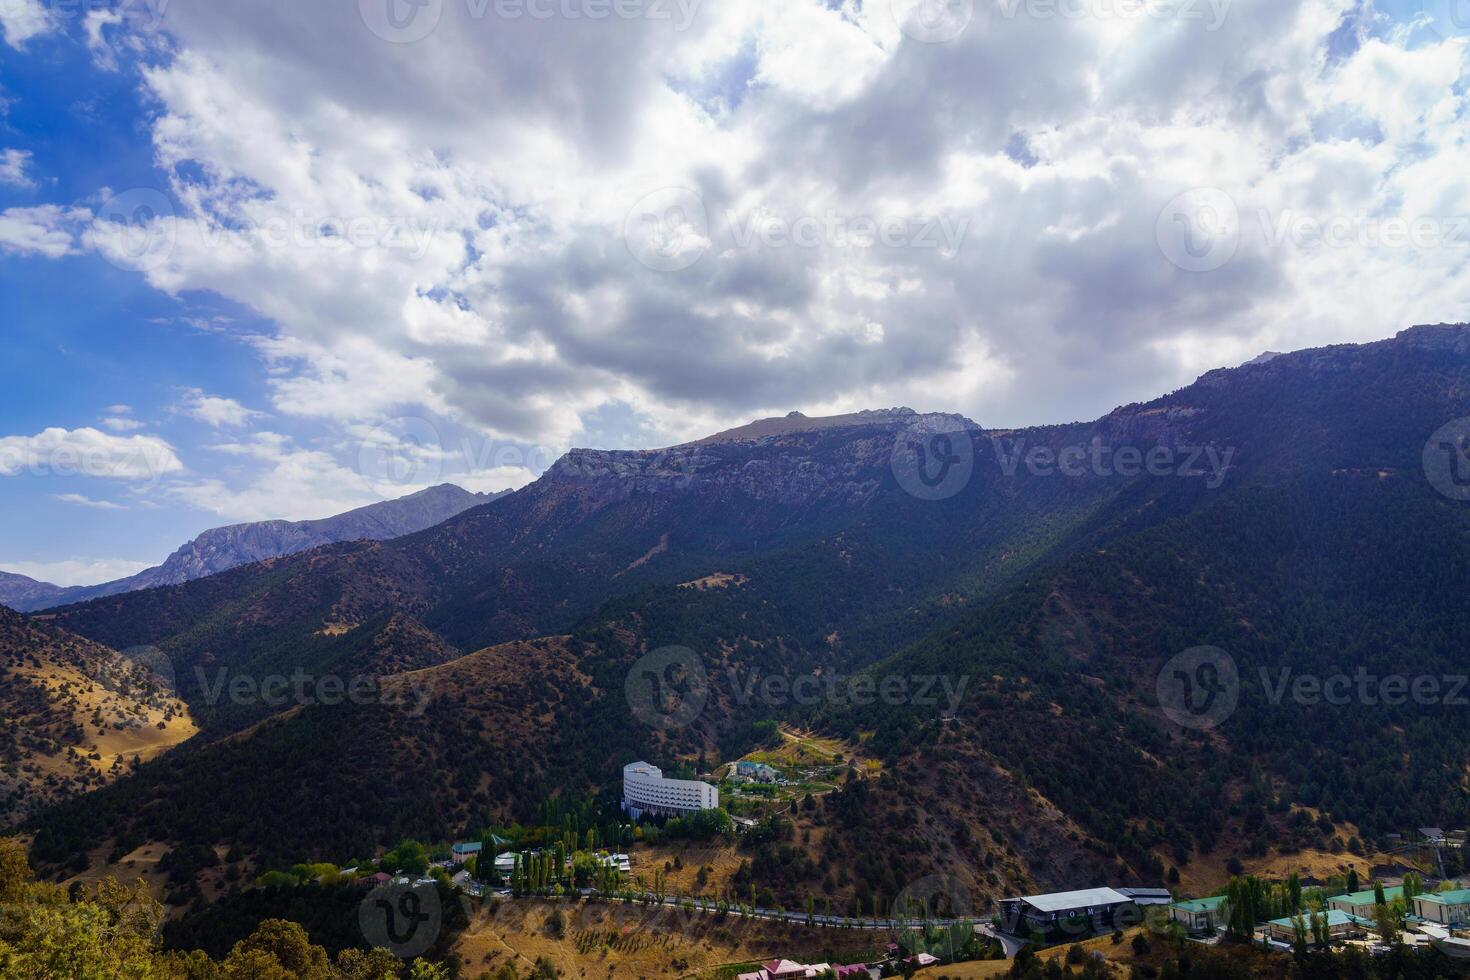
pixel 787 970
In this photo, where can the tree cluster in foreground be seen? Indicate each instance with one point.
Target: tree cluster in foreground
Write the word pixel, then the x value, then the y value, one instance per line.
pixel 109 931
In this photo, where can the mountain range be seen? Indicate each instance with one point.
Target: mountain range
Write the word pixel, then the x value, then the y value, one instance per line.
pixel 223 548
pixel 1289 514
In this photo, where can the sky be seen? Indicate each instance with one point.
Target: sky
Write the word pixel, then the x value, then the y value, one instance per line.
pixel 272 259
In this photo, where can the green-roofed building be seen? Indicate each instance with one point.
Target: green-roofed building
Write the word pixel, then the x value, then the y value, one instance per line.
pixel 1200 915
pixel 1445 908
pixel 1340 925
pixel 1361 903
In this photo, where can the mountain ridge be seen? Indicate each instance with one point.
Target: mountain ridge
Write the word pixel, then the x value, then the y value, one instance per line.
pixel 1026 579
pixel 222 548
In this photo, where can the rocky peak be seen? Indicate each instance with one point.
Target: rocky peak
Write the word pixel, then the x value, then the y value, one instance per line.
pixel 792 459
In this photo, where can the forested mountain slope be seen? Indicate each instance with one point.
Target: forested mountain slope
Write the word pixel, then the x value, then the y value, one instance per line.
pixel 1057 595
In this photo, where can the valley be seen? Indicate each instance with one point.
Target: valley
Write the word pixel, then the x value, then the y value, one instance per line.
pixel 967 685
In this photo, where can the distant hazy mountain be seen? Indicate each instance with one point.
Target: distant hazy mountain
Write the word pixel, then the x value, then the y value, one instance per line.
pixel 20 592
pixel 224 548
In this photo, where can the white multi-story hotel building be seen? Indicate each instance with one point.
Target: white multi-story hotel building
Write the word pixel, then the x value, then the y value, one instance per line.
pixel 645 790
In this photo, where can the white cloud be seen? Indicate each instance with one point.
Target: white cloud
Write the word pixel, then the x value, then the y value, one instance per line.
pixel 216 411
pixel 277 480
pixel 84 501
pixel 88 452
pixel 77 571
pixel 21 20
pixel 46 230
pixel 438 228
pixel 14 167
pixel 119 424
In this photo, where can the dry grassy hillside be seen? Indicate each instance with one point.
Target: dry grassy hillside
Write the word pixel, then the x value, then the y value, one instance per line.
pixel 74 715
pixel 595 940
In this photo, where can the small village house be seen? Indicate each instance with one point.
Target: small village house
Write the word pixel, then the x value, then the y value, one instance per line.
pixel 1201 915
pixel 786 970
pixel 1445 908
pixel 465 850
pixel 758 771
pixel 1340 926
pixel 1361 903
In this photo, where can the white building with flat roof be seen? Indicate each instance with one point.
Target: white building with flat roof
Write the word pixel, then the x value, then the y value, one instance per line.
pixel 645 790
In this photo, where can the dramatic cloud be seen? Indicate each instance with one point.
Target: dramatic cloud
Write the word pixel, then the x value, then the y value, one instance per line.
pixel 670 217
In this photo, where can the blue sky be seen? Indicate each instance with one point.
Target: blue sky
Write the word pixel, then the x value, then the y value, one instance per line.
pixel 273 260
